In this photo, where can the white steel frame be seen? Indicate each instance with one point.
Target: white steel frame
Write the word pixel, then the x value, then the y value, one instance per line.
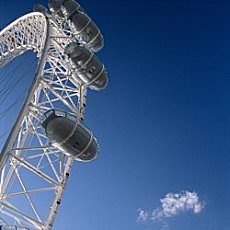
pixel 28 156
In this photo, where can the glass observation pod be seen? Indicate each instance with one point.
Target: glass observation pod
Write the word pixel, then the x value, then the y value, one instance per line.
pixel 88 67
pixel 40 8
pixel 86 31
pixel 55 7
pixel 70 135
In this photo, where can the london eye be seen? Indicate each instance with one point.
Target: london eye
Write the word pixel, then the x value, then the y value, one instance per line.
pixel 49 133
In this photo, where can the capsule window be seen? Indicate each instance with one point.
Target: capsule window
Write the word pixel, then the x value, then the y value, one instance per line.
pixel 76 145
pixel 92 69
pixel 89 32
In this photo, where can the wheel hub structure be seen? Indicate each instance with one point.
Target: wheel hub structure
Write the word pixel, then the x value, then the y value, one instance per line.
pixel 33 170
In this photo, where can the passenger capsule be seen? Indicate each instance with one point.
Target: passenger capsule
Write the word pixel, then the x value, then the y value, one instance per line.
pixel 55 7
pixel 70 135
pixel 69 7
pixel 88 68
pixel 86 30
pixel 40 8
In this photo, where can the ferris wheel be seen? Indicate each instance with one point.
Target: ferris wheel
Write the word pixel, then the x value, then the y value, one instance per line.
pixel 49 133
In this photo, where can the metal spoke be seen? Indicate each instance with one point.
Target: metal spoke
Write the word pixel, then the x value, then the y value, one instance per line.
pixel 26 193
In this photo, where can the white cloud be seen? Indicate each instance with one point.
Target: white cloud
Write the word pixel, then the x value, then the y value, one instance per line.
pixel 172 205
pixel 143 215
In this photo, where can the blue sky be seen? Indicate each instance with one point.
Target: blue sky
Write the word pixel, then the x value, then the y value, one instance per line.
pixel 162 123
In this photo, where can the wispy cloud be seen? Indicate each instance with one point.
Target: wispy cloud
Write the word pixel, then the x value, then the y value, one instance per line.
pixel 171 205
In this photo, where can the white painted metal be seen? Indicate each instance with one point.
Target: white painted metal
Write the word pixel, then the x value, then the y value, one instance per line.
pixel 33 172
